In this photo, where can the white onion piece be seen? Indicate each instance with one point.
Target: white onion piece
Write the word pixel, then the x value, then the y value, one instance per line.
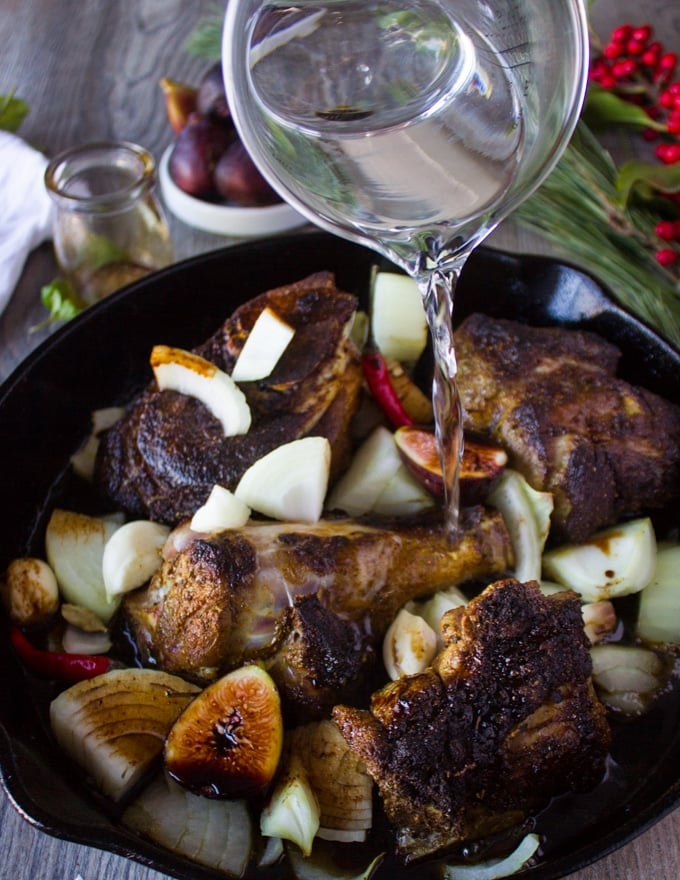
pixel 494 870
pixel 216 833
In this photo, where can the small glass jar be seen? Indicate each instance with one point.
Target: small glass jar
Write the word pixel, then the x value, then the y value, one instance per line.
pixel 109 227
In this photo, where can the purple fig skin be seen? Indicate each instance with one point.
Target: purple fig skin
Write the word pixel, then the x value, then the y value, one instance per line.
pixel 211 99
pixel 196 153
pixel 239 182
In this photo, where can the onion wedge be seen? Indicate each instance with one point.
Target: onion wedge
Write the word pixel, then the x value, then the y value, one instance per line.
pixel 187 373
pixel 216 833
pixel 614 562
pixel 494 870
pixel 343 788
pixel 113 726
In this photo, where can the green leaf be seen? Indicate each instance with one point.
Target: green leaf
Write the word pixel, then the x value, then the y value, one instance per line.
pixel 646 180
pixel 61 300
pixel 603 108
pixel 12 112
pixel 205 41
pixel 100 250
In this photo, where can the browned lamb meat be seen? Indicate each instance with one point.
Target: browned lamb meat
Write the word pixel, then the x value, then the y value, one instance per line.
pixel 312 601
pixel 163 458
pixel 550 396
pixel 505 719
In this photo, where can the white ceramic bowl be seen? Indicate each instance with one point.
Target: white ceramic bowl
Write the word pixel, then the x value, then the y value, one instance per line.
pixel 225 219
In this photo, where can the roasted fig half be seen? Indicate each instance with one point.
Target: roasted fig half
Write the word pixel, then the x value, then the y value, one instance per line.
pixel 480 468
pixel 227 742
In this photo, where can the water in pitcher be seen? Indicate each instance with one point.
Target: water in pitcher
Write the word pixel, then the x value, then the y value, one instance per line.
pixel 396 122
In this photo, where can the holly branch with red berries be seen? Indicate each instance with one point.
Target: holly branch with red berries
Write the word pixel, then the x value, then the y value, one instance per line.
pixel 622 221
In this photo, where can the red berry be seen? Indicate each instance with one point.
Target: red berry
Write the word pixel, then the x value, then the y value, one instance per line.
pixel 649 134
pixel 635 47
pixel 621 33
pixel 607 81
pixel 612 51
pixel 666 257
pixel 668 61
pixel 665 229
pixel 649 58
pixel 599 69
pixel 674 89
pixel 642 33
pixel 667 99
pixel 673 126
pixel 624 68
pixel 676 226
pixel 668 153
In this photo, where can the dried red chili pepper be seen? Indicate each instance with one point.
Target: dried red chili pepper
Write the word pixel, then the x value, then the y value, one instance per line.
pixel 60 666
pixel 380 385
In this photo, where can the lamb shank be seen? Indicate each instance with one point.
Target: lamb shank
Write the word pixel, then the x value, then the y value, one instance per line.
pixel 311 601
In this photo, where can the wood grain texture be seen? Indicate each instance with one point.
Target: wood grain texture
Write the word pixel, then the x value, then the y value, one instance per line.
pixel 89 69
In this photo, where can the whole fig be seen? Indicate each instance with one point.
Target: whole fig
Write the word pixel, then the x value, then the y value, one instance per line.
pixel 239 181
pixel 195 155
pixel 211 99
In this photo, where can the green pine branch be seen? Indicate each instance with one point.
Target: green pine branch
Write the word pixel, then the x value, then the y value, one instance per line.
pixel 581 211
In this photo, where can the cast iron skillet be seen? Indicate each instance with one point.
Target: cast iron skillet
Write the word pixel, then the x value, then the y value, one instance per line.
pixel 101 359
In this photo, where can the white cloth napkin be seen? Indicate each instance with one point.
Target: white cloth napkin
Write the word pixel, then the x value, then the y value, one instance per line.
pixel 25 209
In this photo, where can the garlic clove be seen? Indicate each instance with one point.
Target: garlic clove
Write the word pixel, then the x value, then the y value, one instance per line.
pixel 132 555
pixel 409 645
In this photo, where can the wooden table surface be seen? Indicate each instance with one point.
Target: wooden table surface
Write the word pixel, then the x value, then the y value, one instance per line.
pixel 89 69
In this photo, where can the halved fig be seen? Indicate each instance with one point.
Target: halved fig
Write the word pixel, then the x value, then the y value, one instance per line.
pixel 227 742
pixel 180 102
pixel 480 468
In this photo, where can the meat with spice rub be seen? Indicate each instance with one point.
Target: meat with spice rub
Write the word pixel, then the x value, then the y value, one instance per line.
pixel 505 719
pixel 551 398
pixel 311 601
pixel 161 460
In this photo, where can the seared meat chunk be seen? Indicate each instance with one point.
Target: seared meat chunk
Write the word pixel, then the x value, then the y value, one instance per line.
pixel 162 459
pixel 321 655
pixel 505 719
pixel 223 599
pixel 551 398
